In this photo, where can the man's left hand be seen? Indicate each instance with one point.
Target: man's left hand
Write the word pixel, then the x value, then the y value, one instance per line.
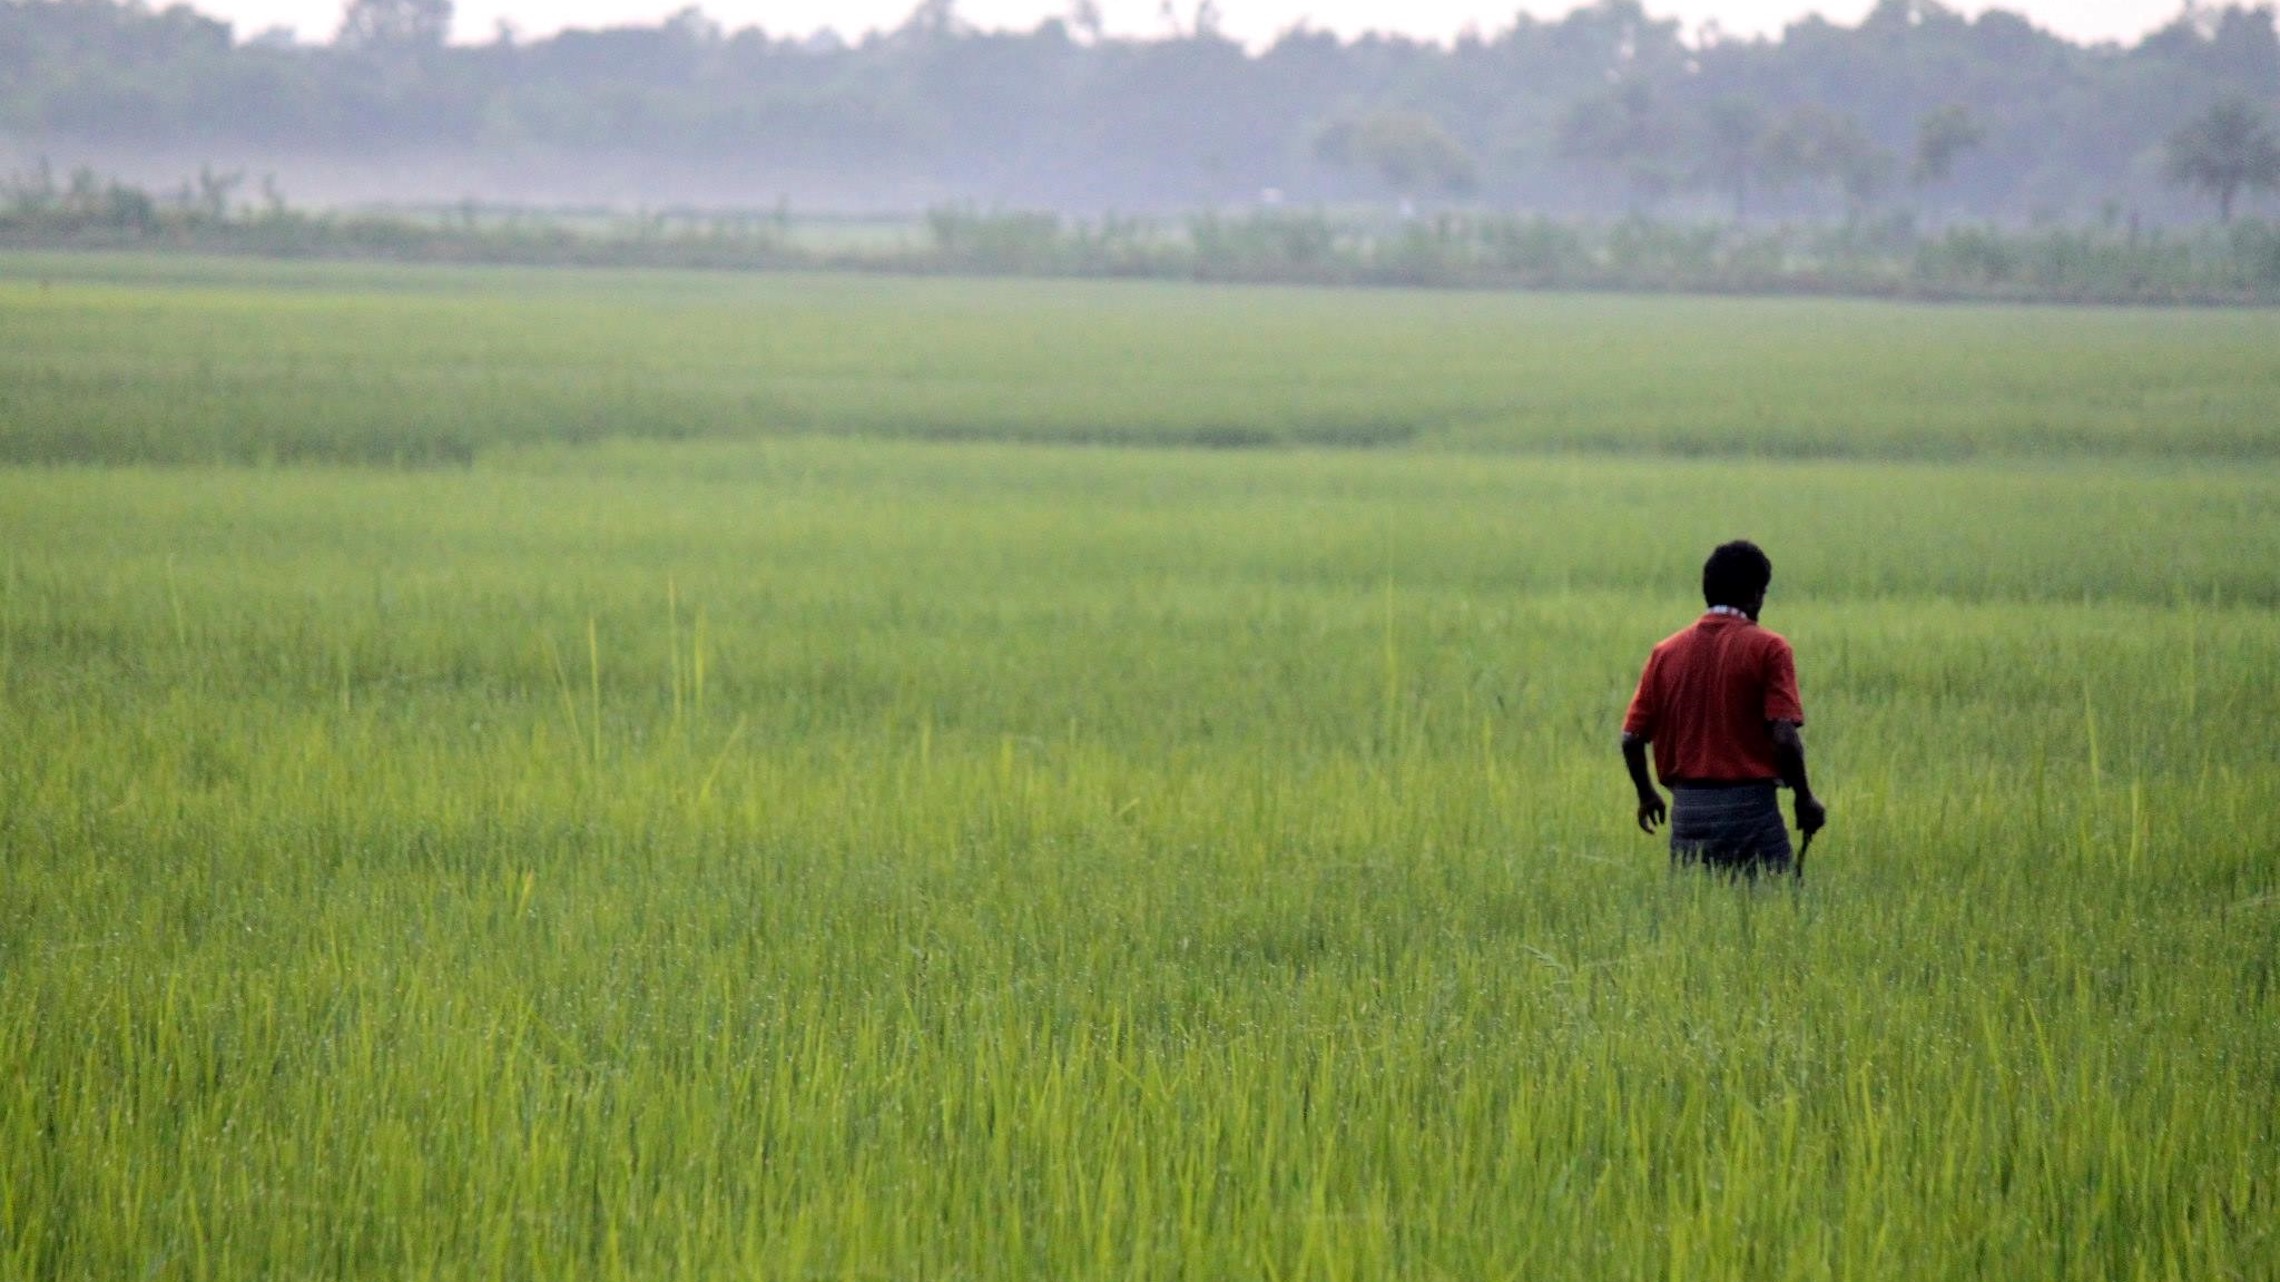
pixel 1651 811
pixel 1811 815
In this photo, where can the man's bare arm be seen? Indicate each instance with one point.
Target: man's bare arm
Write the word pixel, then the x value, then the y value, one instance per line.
pixel 1651 809
pixel 1789 759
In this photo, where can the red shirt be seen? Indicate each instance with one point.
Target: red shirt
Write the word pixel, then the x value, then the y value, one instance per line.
pixel 1706 697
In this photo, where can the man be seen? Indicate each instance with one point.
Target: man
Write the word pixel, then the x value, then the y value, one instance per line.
pixel 1719 703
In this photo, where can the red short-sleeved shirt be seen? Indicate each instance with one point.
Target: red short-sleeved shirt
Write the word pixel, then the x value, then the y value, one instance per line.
pixel 1706 696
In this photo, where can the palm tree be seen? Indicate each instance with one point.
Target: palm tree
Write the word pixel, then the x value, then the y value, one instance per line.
pixel 2224 150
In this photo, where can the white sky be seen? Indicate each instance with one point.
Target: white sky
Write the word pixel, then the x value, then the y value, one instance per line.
pixel 1254 21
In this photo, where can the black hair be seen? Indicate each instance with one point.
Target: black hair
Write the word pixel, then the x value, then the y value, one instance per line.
pixel 1736 573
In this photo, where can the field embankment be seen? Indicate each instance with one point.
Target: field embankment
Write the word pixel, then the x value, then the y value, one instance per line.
pixel 2105 263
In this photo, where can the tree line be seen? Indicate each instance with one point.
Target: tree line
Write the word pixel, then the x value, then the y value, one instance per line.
pixel 1893 256
pixel 1608 111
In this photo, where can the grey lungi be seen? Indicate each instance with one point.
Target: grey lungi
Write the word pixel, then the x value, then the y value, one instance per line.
pixel 1737 828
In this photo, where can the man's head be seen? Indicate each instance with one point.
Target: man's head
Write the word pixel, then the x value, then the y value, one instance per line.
pixel 1736 575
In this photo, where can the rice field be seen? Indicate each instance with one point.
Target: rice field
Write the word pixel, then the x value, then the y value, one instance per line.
pixel 155 360
pixel 537 775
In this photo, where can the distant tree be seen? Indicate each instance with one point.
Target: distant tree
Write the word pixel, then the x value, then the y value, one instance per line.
pixel 34 191
pixel 1408 150
pixel 1863 170
pixel 2236 45
pixel 90 200
pixel 394 24
pixel 1941 138
pixel 1900 15
pixel 935 18
pixel 1732 148
pixel 2246 45
pixel 1625 129
pixel 691 25
pixel 1813 145
pixel 212 197
pixel 1204 25
pixel 2223 151
pixel 1084 18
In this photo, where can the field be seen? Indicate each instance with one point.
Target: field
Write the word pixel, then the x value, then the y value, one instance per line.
pixel 554 775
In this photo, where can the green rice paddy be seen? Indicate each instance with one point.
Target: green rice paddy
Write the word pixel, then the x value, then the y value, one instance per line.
pixel 608 775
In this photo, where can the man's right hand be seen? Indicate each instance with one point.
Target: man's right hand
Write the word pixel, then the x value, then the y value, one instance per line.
pixel 1651 811
pixel 1811 815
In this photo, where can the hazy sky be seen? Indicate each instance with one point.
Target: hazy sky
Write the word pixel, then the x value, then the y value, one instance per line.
pixel 1250 20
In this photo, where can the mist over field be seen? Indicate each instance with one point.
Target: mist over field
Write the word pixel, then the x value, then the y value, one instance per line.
pixel 1915 111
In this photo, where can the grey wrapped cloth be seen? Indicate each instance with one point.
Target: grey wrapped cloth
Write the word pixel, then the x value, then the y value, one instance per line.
pixel 1735 829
